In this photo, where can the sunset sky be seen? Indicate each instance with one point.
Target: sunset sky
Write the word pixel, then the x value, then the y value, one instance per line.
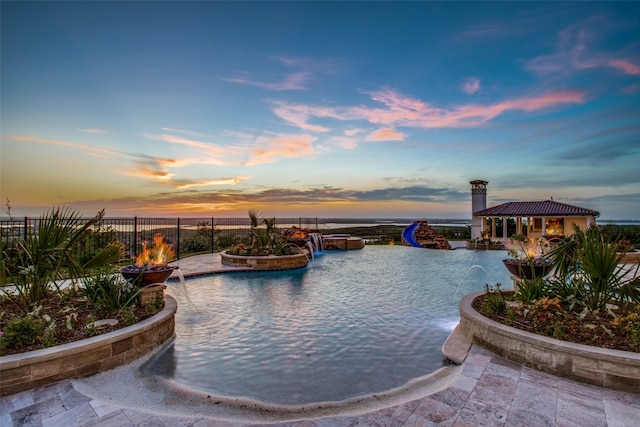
pixel 318 109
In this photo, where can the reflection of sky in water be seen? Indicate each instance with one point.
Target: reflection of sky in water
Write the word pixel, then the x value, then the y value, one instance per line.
pixel 352 323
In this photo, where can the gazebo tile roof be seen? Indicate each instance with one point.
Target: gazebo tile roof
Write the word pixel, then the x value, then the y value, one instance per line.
pixel 540 208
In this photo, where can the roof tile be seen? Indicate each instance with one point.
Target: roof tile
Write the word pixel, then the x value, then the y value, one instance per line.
pixel 540 208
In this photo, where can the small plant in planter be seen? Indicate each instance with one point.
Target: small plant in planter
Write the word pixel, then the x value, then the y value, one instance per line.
pixel 527 258
pixel 264 241
pixel 493 302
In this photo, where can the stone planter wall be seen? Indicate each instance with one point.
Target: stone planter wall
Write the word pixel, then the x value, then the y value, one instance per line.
pixel 84 358
pixel 608 368
pixel 484 246
pixel 265 263
pixel 342 243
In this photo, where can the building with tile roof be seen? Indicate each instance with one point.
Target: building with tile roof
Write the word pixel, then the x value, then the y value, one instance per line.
pixel 535 219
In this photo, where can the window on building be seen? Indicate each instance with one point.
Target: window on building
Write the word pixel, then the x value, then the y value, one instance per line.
pixel 555 226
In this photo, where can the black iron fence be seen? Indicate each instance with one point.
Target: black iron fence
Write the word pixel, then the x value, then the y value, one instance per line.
pixel 188 236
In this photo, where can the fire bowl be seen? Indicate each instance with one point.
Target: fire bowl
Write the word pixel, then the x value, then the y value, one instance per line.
pixel 147 275
pixel 527 269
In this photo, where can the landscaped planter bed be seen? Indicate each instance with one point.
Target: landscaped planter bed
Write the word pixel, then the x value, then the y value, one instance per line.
pixel 24 371
pixel 604 367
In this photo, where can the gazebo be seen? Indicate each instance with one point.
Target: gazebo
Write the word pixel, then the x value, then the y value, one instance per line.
pixel 547 218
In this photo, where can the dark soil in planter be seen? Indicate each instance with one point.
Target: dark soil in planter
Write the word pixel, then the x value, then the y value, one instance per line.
pixel 598 330
pixel 58 307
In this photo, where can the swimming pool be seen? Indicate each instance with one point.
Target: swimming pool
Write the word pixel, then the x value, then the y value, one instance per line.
pixel 351 324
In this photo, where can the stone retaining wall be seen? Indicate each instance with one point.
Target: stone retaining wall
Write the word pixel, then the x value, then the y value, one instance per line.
pixel 265 263
pixel 608 368
pixel 19 372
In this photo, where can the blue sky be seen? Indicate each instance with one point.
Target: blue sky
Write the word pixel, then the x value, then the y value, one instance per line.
pixel 329 109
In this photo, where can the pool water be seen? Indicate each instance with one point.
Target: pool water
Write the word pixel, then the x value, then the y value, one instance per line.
pixel 351 324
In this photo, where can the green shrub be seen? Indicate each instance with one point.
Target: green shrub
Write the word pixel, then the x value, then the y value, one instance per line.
pixel 36 263
pixel 129 316
pixel 549 317
pixel 28 330
pixel 588 267
pixel 107 289
pixel 529 290
pixel 200 241
pixel 23 331
pixel 629 325
pixel 493 302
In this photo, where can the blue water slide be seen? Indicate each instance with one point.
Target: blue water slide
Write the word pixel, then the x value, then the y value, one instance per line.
pixel 407 235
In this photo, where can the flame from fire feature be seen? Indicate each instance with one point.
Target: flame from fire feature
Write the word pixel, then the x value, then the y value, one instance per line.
pixel 300 234
pixel 158 254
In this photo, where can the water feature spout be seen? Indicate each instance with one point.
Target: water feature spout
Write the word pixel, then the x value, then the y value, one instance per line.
pixel 299 249
pixel 316 241
pixel 473 267
pixel 183 289
pixel 311 249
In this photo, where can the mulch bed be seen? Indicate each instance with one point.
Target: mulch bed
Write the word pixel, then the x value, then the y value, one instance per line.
pixel 594 329
pixel 66 311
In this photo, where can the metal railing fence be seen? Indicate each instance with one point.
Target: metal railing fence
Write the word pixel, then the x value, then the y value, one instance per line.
pixel 188 236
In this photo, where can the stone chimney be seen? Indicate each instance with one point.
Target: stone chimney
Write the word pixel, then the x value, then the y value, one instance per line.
pixel 478 203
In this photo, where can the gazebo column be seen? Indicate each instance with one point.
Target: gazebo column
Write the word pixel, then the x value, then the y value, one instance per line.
pixel 544 226
pixel 504 228
pixel 518 225
pixel 493 227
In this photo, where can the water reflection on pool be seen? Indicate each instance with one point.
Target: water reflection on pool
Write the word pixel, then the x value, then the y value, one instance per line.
pixel 352 323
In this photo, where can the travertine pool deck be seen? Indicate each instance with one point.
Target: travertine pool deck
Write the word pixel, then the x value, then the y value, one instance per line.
pixel 486 390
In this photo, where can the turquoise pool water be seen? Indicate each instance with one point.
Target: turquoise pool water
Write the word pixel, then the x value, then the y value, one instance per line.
pixel 351 324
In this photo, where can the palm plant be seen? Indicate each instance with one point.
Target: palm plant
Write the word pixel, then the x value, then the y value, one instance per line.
pixel 263 238
pixel 253 218
pixel 588 267
pixel 36 263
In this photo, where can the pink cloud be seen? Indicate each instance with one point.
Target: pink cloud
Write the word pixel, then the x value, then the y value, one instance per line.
pixel 250 150
pixel 271 148
pixel 471 85
pixel 385 134
pixel 298 115
pixel 573 53
pixel 402 110
pixel 626 66
pixel 409 112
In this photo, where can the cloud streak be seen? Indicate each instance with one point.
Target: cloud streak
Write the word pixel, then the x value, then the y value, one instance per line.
pixel 404 111
pixel 195 201
pixel 145 166
pixel 247 151
pixel 573 53
pixel 93 130
pixel 292 81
